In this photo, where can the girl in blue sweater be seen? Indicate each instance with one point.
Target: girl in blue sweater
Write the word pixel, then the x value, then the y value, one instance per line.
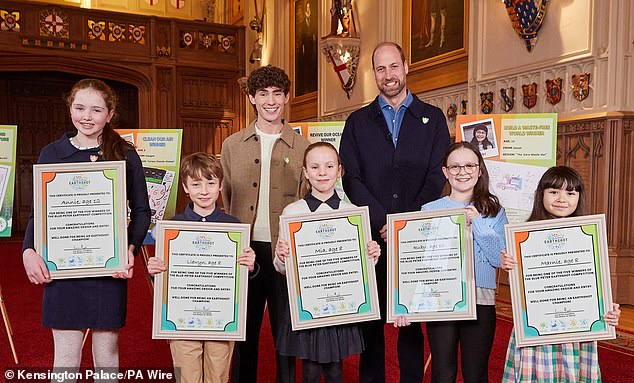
pixel 464 168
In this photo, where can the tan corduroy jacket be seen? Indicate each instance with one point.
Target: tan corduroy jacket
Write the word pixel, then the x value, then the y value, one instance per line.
pixel 240 158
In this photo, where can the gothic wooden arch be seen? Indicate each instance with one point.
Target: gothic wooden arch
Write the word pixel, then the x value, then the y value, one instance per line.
pixel 88 68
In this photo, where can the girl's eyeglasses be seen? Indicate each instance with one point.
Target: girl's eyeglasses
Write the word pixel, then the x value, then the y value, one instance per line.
pixel 468 168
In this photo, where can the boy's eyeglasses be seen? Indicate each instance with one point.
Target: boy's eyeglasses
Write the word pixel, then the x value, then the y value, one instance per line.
pixel 454 170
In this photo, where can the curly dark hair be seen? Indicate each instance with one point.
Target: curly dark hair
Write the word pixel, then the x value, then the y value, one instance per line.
pixel 267 76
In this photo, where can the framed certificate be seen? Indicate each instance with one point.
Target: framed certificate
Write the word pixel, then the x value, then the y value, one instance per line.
pixel 430 266
pixel 203 293
pixel 330 279
pixel 80 218
pixel 561 286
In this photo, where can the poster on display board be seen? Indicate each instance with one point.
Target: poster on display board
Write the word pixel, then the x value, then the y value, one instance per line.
pixel 517 149
pixel 8 138
pixel 160 153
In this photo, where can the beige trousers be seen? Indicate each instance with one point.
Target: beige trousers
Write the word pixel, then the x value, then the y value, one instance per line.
pixel 201 361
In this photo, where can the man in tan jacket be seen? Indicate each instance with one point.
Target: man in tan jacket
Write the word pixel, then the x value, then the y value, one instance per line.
pixel 262 167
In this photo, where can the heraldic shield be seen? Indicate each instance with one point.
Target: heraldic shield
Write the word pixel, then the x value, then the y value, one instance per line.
pixel 486 102
pixel 530 95
pixel 581 86
pixel 527 17
pixel 508 98
pixel 553 90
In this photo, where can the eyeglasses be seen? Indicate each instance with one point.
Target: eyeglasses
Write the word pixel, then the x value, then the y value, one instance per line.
pixel 468 168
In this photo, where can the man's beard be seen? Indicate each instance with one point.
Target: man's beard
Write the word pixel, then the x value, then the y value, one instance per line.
pixel 391 91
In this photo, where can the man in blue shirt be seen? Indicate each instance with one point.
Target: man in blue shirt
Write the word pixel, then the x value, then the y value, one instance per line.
pixel 392 152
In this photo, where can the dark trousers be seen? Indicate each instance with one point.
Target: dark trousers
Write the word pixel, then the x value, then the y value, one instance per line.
pixel 265 287
pixel 475 338
pixel 410 344
pixel 312 372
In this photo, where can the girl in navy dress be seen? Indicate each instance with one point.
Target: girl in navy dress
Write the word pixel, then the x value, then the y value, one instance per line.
pixel 322 350
pixel 70 306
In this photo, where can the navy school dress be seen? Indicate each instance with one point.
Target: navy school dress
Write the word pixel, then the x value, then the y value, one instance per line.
pixel 325 344
pixel 97 303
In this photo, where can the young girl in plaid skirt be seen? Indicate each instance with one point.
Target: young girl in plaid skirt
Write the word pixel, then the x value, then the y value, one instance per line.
pixel 560 193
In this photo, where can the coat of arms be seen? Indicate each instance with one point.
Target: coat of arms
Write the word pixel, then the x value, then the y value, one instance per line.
pixel 53 22
pixel 530 95
pixel 527 17
pixel 553 90
pixel 452 111
pixel 508 98
pixel 486 102
pixel 581 86
pixel 464 104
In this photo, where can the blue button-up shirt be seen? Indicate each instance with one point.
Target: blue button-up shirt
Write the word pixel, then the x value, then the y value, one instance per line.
pixel 395 118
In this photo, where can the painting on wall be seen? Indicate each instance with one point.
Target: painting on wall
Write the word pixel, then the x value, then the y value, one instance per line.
pixel 436 29
pixel 305 48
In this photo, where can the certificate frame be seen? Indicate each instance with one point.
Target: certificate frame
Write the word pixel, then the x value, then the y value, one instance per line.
pixel 195 328
pixel 43 177
pixel 591 249
pixel 301 317
pixel 463 309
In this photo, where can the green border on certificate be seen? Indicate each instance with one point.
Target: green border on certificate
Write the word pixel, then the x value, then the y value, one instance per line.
pixel 202 295
pixel 561 287
pixel 430 266
pixel 329 277
pixel 8 141
pixel 80 218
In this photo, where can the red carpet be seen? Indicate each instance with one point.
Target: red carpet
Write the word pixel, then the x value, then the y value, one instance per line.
pixel 34 343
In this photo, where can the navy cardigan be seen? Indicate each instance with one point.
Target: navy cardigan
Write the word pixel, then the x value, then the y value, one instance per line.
pixel 392 179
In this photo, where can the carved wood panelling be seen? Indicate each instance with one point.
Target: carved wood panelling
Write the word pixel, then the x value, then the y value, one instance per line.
pixel 165 96
pixel 580 146
pixel 602 150
pixel 627 207
pixel 142 53
pixel 203 135
pixel 42 117
pixel 207 94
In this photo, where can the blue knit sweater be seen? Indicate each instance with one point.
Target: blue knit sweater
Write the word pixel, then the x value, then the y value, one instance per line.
pixel 488 240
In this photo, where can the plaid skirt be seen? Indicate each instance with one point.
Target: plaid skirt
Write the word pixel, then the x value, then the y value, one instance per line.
pixel 568 362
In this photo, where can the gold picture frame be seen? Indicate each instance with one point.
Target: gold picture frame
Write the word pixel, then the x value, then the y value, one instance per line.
pixel 431 65
pixel 304 54
pixel 80 218
pixel 329 277
pixel 430 266
pixel 561 286
pixel 202 295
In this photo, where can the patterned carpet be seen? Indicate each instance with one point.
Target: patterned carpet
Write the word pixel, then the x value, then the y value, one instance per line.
pixel 624 342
